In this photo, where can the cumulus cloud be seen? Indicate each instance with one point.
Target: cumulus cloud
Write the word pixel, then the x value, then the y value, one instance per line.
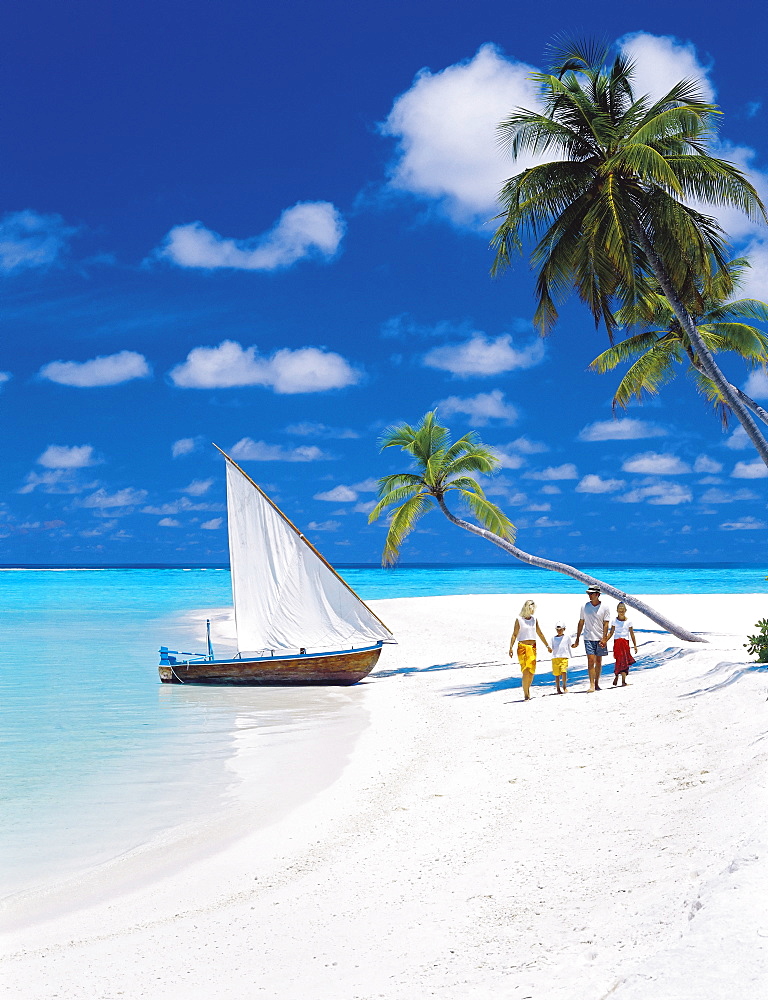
pixel 745 524
pixel 197 487
pixel 738 440
pixel 756 385
pixel 750 470
pixel 308 229
pixel 480 409
pixel 482 355
pixel 661 61
pixel 724 496
pixel 248 450
pixel 182 504
pixel 29 239
pixel 706 464
pixel 654 464
pixel 111 369
pixel 339 494
pixel 310 428
pixel 566 471
pixel 528 447
pixel 665 494
pixel 594 484
pixel 324 525
pixel 546 522
pixel 55 481
pixel 445 127
pixel 213 524
pixel 127 497
pixel 507 459
pixel 168 522
pixel 626 429
pixel 62 456
pixel 306 369
pixel 184 446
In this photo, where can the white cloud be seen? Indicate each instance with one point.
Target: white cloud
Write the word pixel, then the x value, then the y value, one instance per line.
pixel 308 229
pixel 551 489
pixel 546 522
pixel 738 440
pixel 4 377
pixel 527 447
pixel 213 524
pixel 366 486
pixel 182 504
pixel 664 494
pixel 745 524
pixel 662 61
pixel 324 525
pixel 55 481
pixel 249 450
pixel 506 459
pixel 594 484
pixel 626 429
pixel 756 385
pixel 365 507
pixel 445 126
pixel 339 494
pixel 309 428
pixel 110 369
pixel 655 464
pixel 62 456
pixel 566 471
pixel 184 446
pixel 28 239
pixel 168 522
pixel 480 409
pixel 724 496
pixel 122 498
pixel 706 464
pixel 306 369
pixel 750 470
pixel 197 487
pixel 482 355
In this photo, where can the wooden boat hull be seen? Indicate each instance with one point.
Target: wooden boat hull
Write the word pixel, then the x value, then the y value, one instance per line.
pixel 346 667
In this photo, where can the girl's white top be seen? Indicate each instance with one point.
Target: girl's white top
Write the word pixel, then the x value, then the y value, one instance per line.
pixel 527 628
pixel 561 647
pixel 622 628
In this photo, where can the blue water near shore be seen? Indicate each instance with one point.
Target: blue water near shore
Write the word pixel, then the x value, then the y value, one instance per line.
pixel 98 758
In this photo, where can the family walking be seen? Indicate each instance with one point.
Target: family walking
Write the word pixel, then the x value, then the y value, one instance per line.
pixel 596 626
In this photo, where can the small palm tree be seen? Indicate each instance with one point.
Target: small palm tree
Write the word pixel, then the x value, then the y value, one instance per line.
pixel 612 211
pixel 443 468
pixel 657 354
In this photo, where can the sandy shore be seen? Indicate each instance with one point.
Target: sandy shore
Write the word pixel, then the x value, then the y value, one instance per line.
pixel 476 846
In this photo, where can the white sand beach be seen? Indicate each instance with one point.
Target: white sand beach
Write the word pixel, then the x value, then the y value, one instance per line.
pixel 574 847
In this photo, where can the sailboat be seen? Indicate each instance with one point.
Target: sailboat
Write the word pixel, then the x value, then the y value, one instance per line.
pixel 297 620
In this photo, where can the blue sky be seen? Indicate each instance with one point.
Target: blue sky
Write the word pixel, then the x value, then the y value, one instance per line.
pixel 268 227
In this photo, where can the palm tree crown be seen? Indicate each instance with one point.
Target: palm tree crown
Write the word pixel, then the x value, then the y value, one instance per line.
pixel 657 353
pixel 442 466
pixel 619 188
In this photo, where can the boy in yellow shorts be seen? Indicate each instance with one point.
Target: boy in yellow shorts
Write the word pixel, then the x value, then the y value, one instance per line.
pixel 561 650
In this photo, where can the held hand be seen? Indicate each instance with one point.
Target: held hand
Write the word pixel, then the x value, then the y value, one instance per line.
pixel 574 644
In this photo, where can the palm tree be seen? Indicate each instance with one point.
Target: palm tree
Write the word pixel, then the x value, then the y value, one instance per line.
pixel 612 211
pixel 657 353
pixel 444 467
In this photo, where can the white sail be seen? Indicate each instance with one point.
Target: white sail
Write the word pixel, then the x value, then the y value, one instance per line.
pixel 285 595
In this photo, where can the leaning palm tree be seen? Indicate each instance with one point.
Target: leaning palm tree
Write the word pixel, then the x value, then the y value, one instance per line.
pixel 444 468
pixel 612 211
pixel 657 354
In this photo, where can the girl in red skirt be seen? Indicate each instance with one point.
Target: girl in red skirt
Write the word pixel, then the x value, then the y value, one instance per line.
pixel 622 632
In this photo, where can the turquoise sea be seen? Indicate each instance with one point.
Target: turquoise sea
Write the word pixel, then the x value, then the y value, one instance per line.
pixel 99 760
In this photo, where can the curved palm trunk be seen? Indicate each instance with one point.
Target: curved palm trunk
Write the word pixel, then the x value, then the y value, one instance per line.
pixel 559 567
pixel 703 353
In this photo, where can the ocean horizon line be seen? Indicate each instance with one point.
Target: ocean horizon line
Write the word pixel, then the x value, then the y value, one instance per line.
pixel 375 565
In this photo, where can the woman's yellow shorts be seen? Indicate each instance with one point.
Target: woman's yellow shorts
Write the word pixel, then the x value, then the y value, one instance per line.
pixel 526 655
pixel 559 665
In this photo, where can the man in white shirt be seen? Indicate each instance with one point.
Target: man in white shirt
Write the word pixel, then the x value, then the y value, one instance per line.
pixel 594 622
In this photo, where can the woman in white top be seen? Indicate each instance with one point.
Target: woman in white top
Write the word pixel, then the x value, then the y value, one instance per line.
pixel 622 632
pixel 525 632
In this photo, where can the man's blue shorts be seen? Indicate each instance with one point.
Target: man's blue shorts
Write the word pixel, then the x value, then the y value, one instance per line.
pixel 595 648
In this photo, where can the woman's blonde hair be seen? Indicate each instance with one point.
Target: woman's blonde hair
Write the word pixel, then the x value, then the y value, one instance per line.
pixel 621 604
pixel 527 609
